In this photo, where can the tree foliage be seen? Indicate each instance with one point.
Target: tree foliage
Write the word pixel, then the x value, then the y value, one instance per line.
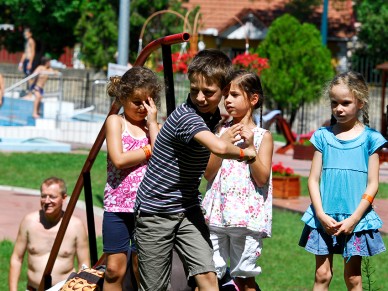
pixel 303 9
pixel 97 31
pixel 159 26
pixel 93 23
pixel 299 64
pixel 52 24
pixel 97 28
pixel 373 16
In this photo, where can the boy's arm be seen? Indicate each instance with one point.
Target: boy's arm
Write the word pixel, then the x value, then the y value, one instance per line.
pixel 224 149
pixel 17 257
pixel 214 163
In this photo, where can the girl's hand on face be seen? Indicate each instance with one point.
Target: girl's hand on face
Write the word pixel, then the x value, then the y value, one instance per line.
pixel 232 134
pixel 152 111
pixel 329 224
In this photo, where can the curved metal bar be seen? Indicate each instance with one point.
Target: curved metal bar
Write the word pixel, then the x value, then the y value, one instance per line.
pixel 152 46
pixel 46 277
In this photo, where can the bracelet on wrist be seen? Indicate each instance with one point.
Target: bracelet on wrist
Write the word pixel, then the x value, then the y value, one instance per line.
pixel 147 152
pixel 368 198
pixel 241 154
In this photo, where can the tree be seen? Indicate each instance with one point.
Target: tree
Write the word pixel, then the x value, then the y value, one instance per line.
pixel 161 25
pixel 97 32
pixel 298 64
pixel 303 9
pixel 52 24
pixel 373 16
pixel 97 29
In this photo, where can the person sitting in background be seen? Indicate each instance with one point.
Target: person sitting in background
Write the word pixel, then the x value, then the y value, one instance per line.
pixel 36 89
pixel 36 236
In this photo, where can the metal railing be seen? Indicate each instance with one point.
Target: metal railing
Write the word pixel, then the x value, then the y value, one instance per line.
pixel 84 177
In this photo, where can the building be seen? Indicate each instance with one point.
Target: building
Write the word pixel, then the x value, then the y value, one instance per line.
pixel 233 25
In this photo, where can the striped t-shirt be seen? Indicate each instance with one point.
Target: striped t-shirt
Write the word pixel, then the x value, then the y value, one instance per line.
pixel 170 184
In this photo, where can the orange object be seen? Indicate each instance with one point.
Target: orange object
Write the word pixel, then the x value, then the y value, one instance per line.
pixel 368 197
pixel 147 152
pixel 241 154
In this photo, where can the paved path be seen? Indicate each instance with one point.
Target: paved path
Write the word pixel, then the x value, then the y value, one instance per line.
pixel 16 202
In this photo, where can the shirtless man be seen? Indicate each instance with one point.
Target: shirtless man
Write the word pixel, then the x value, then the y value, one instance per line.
pixel 36 236
pixel 27 58
pixel 36 89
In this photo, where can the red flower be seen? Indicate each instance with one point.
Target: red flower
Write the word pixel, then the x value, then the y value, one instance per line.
pixel 180 62
pixel 280 170
pixel 251 62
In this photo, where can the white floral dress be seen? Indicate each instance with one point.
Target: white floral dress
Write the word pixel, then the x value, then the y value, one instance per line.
pixel 234 200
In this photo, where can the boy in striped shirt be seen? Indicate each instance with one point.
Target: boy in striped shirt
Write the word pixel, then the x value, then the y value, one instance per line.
pixel 168 199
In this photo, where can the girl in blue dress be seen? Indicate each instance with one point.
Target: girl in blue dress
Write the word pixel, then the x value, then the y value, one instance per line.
pixel 343 182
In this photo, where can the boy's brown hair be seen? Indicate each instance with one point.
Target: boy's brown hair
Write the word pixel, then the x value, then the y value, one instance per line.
pixel 213 65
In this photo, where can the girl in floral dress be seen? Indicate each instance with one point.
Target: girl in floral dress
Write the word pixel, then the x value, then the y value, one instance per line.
pixel 238 201
pixel 129 140
pixel 343 182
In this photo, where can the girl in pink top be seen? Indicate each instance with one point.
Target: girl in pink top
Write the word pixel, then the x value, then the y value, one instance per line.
pixel 129 139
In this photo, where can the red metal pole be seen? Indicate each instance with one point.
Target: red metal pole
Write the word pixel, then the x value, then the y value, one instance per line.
pixel 167 40
pixel 46 277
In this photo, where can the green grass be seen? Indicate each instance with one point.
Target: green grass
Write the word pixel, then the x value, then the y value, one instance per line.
pixel 28 170
pixel 278 137
pixel 286 266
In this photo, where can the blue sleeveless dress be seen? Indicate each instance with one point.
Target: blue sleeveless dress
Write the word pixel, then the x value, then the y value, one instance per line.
pixel 344 179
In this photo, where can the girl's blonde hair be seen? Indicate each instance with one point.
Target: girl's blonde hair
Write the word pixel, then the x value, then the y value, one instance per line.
pixel 122 88
pixel 357 86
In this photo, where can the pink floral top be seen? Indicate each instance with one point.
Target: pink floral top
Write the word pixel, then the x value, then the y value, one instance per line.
pixel 234 200
pixel 121 185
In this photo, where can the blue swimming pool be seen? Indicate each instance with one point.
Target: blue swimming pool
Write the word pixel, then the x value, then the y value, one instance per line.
pixel 36 144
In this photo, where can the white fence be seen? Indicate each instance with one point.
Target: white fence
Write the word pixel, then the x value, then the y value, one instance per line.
pixel 84 93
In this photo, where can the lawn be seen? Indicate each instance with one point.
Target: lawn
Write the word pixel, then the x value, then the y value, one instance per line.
pixel 28 170
pixel 286 266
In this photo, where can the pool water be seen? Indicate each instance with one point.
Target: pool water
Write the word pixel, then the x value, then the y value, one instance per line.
pixel 37 144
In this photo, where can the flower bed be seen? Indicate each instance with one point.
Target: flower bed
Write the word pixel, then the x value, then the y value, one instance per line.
pixel 285 183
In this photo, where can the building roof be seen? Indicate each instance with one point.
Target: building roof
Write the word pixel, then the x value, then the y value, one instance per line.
pixel 217 16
